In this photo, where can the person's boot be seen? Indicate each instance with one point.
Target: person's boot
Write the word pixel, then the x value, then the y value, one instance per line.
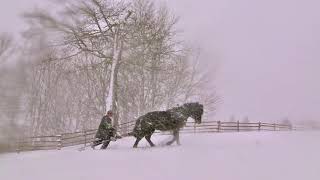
pixel 105 144
pixel 96 142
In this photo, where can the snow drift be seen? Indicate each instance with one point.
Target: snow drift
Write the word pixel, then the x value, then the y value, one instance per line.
pixel 226 156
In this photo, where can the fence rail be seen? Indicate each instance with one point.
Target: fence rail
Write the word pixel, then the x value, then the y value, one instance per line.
pixel 87 136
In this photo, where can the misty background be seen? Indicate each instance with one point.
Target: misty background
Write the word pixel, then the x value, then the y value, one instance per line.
pixel 266 53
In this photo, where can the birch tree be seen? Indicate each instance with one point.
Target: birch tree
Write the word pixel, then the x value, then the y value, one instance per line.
pixel 94 27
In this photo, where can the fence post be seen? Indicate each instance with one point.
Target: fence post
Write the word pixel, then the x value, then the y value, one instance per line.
pixel 259 126
pixel 274 126
pixel 59 141
pixel 238 126
pixel 219 126
pixel 18 145
pixel 85 138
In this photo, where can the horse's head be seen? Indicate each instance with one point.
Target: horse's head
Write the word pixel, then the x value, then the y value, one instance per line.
pixel 196 111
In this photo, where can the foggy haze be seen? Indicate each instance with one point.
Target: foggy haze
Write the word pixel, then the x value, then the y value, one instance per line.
pixel 267 52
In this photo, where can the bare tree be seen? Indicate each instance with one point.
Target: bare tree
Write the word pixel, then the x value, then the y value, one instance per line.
pixel 12 91
pixel 6 45
pixel 102 55
pixel 94 27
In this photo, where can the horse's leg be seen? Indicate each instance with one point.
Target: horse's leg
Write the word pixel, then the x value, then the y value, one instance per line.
pixel 148 138
pixel 137 141
pixel 175 132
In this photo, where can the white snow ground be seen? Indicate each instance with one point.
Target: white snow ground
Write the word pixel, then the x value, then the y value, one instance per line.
pixel 225 156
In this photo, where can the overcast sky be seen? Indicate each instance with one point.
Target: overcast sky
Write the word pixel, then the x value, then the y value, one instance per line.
pixel 267 51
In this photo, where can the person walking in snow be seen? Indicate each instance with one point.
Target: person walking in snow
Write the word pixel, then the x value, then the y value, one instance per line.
pixel 105 132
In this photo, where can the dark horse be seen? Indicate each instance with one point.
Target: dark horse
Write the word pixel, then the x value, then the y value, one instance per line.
pixel 170 120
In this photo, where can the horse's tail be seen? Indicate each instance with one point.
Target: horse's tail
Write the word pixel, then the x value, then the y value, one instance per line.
pixel 135 128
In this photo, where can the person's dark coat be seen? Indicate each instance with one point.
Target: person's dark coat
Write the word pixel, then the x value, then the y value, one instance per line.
pixel 105 128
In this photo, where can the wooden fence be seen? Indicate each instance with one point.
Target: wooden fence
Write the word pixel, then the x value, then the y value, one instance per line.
pixel 85 137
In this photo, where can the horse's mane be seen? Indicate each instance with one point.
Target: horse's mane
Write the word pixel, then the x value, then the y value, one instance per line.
pixel 185 108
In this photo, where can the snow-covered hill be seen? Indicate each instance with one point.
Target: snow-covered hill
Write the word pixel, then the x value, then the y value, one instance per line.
pixel 225 156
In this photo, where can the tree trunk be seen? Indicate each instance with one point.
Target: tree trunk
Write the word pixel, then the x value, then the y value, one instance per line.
pixel 112 96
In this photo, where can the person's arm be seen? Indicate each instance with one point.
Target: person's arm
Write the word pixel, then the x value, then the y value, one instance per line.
pixel 108 124
pixel 104 122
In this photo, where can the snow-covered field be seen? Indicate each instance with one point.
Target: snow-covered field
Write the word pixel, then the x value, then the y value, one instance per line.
pixel 225 156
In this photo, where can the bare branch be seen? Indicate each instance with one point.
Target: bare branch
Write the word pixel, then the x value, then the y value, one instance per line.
pixel 6 44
